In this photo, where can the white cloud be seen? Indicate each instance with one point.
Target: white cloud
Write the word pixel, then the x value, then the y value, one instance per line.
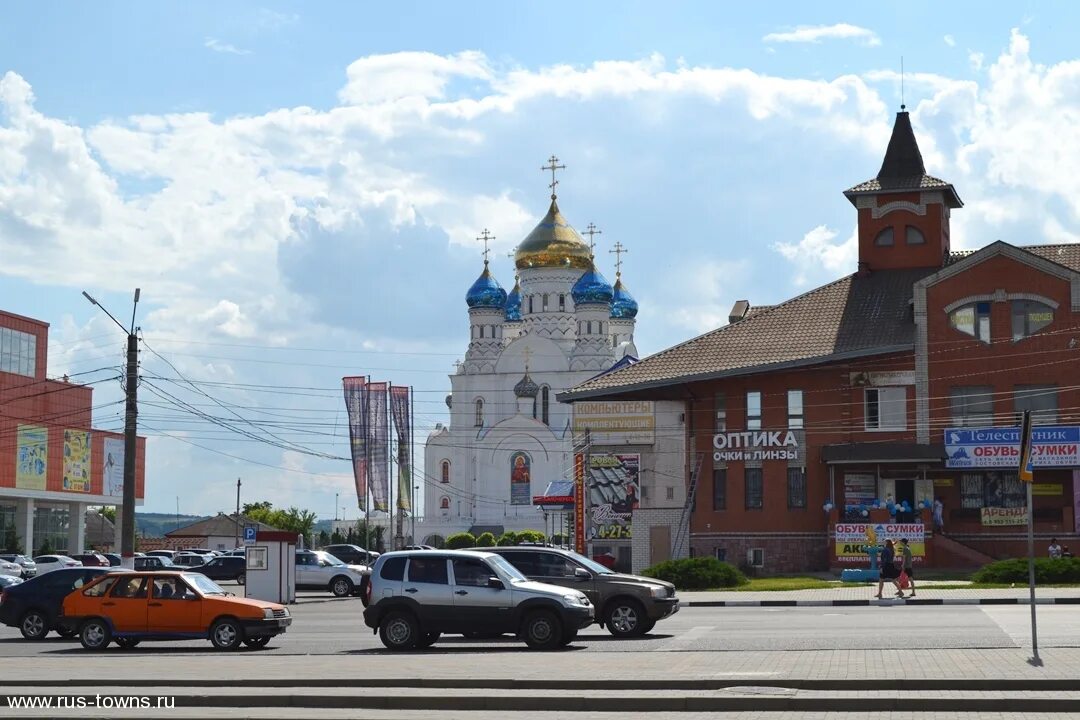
pixel 950 40
pixel 818 258
pixel 223 47
pixel 976 60
pixel 817 33
pixel 397 76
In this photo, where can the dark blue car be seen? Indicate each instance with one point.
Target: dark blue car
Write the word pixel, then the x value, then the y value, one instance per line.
pixel 33 606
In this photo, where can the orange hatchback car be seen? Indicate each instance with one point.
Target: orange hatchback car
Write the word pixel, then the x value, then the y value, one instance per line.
pixel 131 607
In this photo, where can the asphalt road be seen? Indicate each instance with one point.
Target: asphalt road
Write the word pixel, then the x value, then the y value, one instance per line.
pixel 326 626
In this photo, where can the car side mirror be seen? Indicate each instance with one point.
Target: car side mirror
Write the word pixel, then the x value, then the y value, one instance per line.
pixel 582 574
pixel 496 583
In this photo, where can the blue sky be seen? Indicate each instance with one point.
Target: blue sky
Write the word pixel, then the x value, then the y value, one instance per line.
pixel 296 187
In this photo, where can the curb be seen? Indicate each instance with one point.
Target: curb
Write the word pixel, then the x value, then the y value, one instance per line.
pixel 883 601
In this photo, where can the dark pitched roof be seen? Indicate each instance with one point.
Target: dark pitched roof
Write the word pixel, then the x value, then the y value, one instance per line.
pixel 856 315
pixel 903 168
pixel 220 525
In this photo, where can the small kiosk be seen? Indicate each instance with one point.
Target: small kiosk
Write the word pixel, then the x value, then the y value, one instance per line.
pixel 271 567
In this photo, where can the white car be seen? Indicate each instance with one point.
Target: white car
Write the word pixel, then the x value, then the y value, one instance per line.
pixel 318 570
pixel 48 563
pixel 10 568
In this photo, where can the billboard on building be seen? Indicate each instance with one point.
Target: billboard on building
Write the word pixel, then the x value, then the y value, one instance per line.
pixel 851 538
pixel 627 422
pixel 112 473
pixel 31 457
pixel 520 479
pixel 77 461
pixel 1051 446
pixel 613 489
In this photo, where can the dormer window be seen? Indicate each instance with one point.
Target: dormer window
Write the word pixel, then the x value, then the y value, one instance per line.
pixel 914 236
pixel 972 319
pixel 884 238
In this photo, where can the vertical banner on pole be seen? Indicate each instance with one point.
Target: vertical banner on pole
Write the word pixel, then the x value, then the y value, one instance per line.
pixel 579 503
pixel 399 411
pixel 378 446
pixel 1027 475
pixel 356 404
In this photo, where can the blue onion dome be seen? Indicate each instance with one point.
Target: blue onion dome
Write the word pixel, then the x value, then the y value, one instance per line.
pixel 525 387
pixel 591 287
pixel 513 303
pixel 623 305
pixel 485 292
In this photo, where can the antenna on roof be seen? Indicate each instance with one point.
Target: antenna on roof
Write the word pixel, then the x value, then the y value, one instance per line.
pixel 903 106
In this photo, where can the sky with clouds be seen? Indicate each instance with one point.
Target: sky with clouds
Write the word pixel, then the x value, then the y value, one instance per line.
pixel 297 188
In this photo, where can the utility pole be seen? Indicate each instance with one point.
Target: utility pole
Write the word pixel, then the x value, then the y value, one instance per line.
pixel 131 390
pixel 237 513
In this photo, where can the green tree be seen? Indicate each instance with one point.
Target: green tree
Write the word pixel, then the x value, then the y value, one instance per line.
pixel 508 538
pixel 249 508
pixel 46 548
pixel 108 512
pixel 336 539
pixel 461 540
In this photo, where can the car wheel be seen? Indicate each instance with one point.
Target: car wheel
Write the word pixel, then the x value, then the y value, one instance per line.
pixel 341 586
pixel 126 643
pixel 34 625
pixel 542 630
pixel 399 631
pixel 95 634
pixel 226 634
pixel 257 642
pixel 428 640
pixel 241 579
pixel 625 618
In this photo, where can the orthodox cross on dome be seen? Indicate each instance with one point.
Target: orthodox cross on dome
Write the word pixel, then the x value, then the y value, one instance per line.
pixel 486 237
pixel 457 365
pixel 619 249
pixel 553 165
pixel 591 231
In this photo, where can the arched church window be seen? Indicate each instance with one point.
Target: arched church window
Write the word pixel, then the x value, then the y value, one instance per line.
pixel 545 403
pixel 479 413
pixel 544 305
pixel 562 302
pixel 884 238
pixel 445 471
pixel 530 304
pixel 914 236
pixel 444 503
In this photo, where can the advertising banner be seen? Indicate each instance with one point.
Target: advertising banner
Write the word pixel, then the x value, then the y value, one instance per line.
pixel 756 445
pixel 579 503
pixel 852 537
pixel 627 422
pixel 1051 446
pixel 356 405
pixel 378 446
pixel 859 489
pixel 995 516
pixel 77 461
pixel 399 411
pixel 1047 489
pixel 112 474
pixel 613 494
pixel 31 457
pixel 520 479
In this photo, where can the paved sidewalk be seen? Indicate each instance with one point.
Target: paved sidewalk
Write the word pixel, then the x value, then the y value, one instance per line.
pixel 864 595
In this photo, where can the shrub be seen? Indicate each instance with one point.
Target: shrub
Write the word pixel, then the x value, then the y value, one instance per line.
pixel 530 536
pixel 700 573
pixel 485 540
pixel 508 538
pixel 460 541
pixel 1058 571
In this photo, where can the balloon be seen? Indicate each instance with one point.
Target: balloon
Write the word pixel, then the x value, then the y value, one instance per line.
pixel 865 513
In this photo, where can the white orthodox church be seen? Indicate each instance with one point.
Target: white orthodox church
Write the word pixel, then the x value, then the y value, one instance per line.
pixel 508 438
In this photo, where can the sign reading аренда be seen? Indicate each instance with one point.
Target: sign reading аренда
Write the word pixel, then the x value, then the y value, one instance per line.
pixel 755 445
pixel 1051 446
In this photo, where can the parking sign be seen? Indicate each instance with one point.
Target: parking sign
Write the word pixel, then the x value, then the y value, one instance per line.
pixel 249 534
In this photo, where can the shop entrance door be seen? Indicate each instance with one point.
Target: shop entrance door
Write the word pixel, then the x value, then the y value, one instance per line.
pixel 905 490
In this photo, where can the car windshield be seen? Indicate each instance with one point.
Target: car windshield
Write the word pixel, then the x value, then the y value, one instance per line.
pixel 509 570
pixel 591 565
pixel 167 562
pixel 204 584
pixel 328 558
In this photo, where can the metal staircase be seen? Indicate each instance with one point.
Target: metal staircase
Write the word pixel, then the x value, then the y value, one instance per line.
pixel 682 532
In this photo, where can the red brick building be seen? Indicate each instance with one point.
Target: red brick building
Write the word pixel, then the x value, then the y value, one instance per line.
pixel 900 383
pixel 52 464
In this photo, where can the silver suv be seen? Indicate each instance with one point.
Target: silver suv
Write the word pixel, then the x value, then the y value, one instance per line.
pixel 411 598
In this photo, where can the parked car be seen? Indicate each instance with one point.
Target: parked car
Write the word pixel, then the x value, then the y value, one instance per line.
pixel 161 553
pixel 418 547
pixel 352 554
pixel 318 570
pixel 627 605
pixel 33 606
pixel 49 563
pixel 131 607
pixel 202 551
pixel 414 597
pixel 153 562
pixel 7 581
pixel 226 567
pixel 189 559
pixel 29 569
pixel 114 559
pixel 91 559
pixel 11 569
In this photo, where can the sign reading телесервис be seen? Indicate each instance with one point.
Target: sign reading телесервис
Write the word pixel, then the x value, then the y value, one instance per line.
pixel 1051 446
pixel 624 422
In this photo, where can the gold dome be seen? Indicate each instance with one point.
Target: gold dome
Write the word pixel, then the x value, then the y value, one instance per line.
pixel 553 244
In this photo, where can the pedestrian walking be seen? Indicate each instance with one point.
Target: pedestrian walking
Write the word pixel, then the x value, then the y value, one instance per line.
pixel 1054 551
pixel 889 571
pixel 909 564
pixel 939 516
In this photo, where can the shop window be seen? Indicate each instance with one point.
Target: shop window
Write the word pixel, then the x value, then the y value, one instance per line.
pixel 1029 317
pixel 479 421
pixel 992 489
pixel 755 491
pixel 795 409
pixel 445 471
pixel 1040 400
pixel 884 238
pixel 720 407
pixel 914 236
pixel 972 405
pixel 886 408
pixel 719 489
pixel 972 319
pixel 796 488
pixel 753 410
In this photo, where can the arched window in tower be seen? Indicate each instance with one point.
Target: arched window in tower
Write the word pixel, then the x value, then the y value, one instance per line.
pixel 530 304
pixel 544 305
pixel 445 474
pixel 884 238
pixel 562 302
pixel 444 503
pixel 914 236
pixel 545 405
pixel 479 422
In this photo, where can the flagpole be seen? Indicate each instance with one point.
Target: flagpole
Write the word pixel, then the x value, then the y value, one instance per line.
pixel 1027 476
pixel 367 469
pixel 412 461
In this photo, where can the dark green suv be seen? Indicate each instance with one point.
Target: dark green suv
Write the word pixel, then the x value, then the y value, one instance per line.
pixel 627 605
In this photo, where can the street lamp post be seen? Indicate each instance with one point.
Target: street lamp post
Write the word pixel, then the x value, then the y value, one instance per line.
pixel 131 390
